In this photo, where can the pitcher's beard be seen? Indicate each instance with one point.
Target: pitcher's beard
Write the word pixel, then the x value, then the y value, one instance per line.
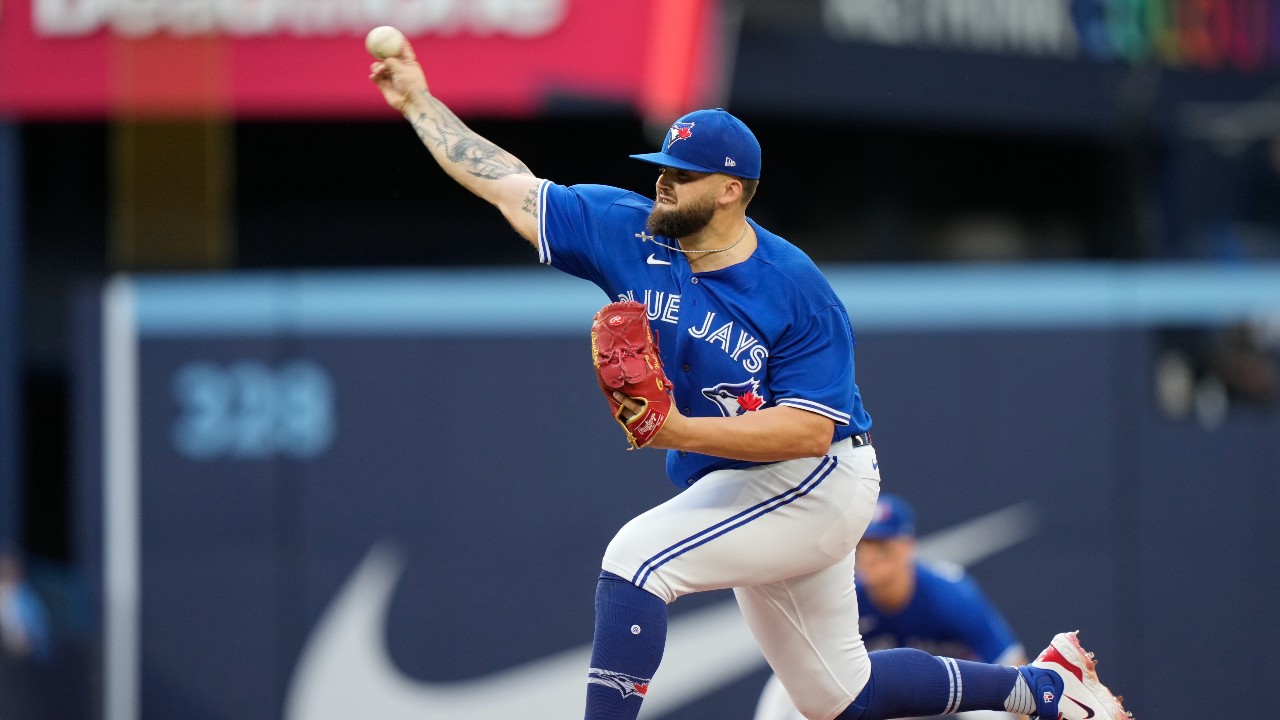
pixel 681 222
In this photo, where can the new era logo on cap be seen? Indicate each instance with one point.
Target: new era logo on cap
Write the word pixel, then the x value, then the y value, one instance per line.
pixel 709 141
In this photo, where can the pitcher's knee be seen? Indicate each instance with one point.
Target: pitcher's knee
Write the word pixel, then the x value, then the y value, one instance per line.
pixel 824 701
pixel 623 561
pixel 816 710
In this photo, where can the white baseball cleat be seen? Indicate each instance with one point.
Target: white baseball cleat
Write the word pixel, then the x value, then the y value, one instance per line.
pixel 1084 697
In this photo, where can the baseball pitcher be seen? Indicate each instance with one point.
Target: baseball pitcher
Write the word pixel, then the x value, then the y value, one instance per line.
pixel 724 345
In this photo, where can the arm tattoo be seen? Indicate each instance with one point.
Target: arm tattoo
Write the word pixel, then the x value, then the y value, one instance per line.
pixel 531 202
pixel 442 130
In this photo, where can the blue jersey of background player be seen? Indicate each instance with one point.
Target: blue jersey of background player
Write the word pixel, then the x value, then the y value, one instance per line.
pixel 907 602
pixel 765 332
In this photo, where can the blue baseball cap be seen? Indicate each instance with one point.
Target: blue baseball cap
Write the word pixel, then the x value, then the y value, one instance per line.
pixel 892 518
pixel 709 141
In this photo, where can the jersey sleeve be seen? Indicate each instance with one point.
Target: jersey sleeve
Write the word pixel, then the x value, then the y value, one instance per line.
pixel 812 369
pixel 570 228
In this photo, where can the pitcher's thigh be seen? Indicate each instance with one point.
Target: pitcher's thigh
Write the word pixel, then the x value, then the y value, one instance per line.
pixel 745 527
pixel 807 628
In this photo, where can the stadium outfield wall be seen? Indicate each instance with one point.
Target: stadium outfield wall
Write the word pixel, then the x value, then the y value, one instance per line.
pixel 386 494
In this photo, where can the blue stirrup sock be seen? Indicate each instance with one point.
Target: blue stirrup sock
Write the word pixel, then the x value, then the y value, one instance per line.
pixel 911 683
pixel 631 633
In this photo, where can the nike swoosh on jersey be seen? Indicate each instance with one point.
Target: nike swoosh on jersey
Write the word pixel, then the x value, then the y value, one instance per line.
pixel 655 261
pixel 345 670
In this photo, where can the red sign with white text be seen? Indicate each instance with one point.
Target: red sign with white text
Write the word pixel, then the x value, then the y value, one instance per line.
pixel 306 58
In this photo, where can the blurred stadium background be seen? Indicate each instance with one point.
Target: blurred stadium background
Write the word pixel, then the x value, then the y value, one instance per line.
pixel 259 456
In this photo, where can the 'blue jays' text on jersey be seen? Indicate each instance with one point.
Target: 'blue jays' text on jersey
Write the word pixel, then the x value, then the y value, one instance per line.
pixel 765 332
pixel 948 616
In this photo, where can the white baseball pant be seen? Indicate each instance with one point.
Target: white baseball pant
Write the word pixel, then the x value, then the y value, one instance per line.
pixel 782 536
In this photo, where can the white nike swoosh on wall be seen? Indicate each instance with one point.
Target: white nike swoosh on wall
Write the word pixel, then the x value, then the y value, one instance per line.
pixel 345 671
pixel 980 538
pixel 653 260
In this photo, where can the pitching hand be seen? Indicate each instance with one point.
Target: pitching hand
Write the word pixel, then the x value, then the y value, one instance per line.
pixel 399 77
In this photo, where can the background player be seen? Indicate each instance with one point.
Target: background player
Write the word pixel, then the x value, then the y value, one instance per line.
pixel 906 602
pixel 781 482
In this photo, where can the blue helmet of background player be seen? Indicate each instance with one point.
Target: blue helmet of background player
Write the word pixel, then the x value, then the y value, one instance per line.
pixel 710 141
pixel 893 518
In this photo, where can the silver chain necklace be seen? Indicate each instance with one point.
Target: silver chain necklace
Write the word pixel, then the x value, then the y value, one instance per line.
pixel 654 240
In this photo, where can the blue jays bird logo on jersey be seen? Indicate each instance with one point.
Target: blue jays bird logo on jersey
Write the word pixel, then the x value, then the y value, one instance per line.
pixel 735 399
pixel 679 131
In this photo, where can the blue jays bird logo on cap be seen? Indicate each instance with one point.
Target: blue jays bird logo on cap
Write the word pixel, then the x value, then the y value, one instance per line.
pixel 679 131
pixel 724 144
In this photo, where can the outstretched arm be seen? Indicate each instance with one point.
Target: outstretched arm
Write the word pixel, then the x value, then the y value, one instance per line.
pixel 478 165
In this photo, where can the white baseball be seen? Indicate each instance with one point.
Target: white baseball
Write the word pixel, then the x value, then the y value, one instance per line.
pixel 384 41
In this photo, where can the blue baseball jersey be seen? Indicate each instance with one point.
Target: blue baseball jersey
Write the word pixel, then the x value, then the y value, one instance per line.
pixel 948 616
pixel 766 332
